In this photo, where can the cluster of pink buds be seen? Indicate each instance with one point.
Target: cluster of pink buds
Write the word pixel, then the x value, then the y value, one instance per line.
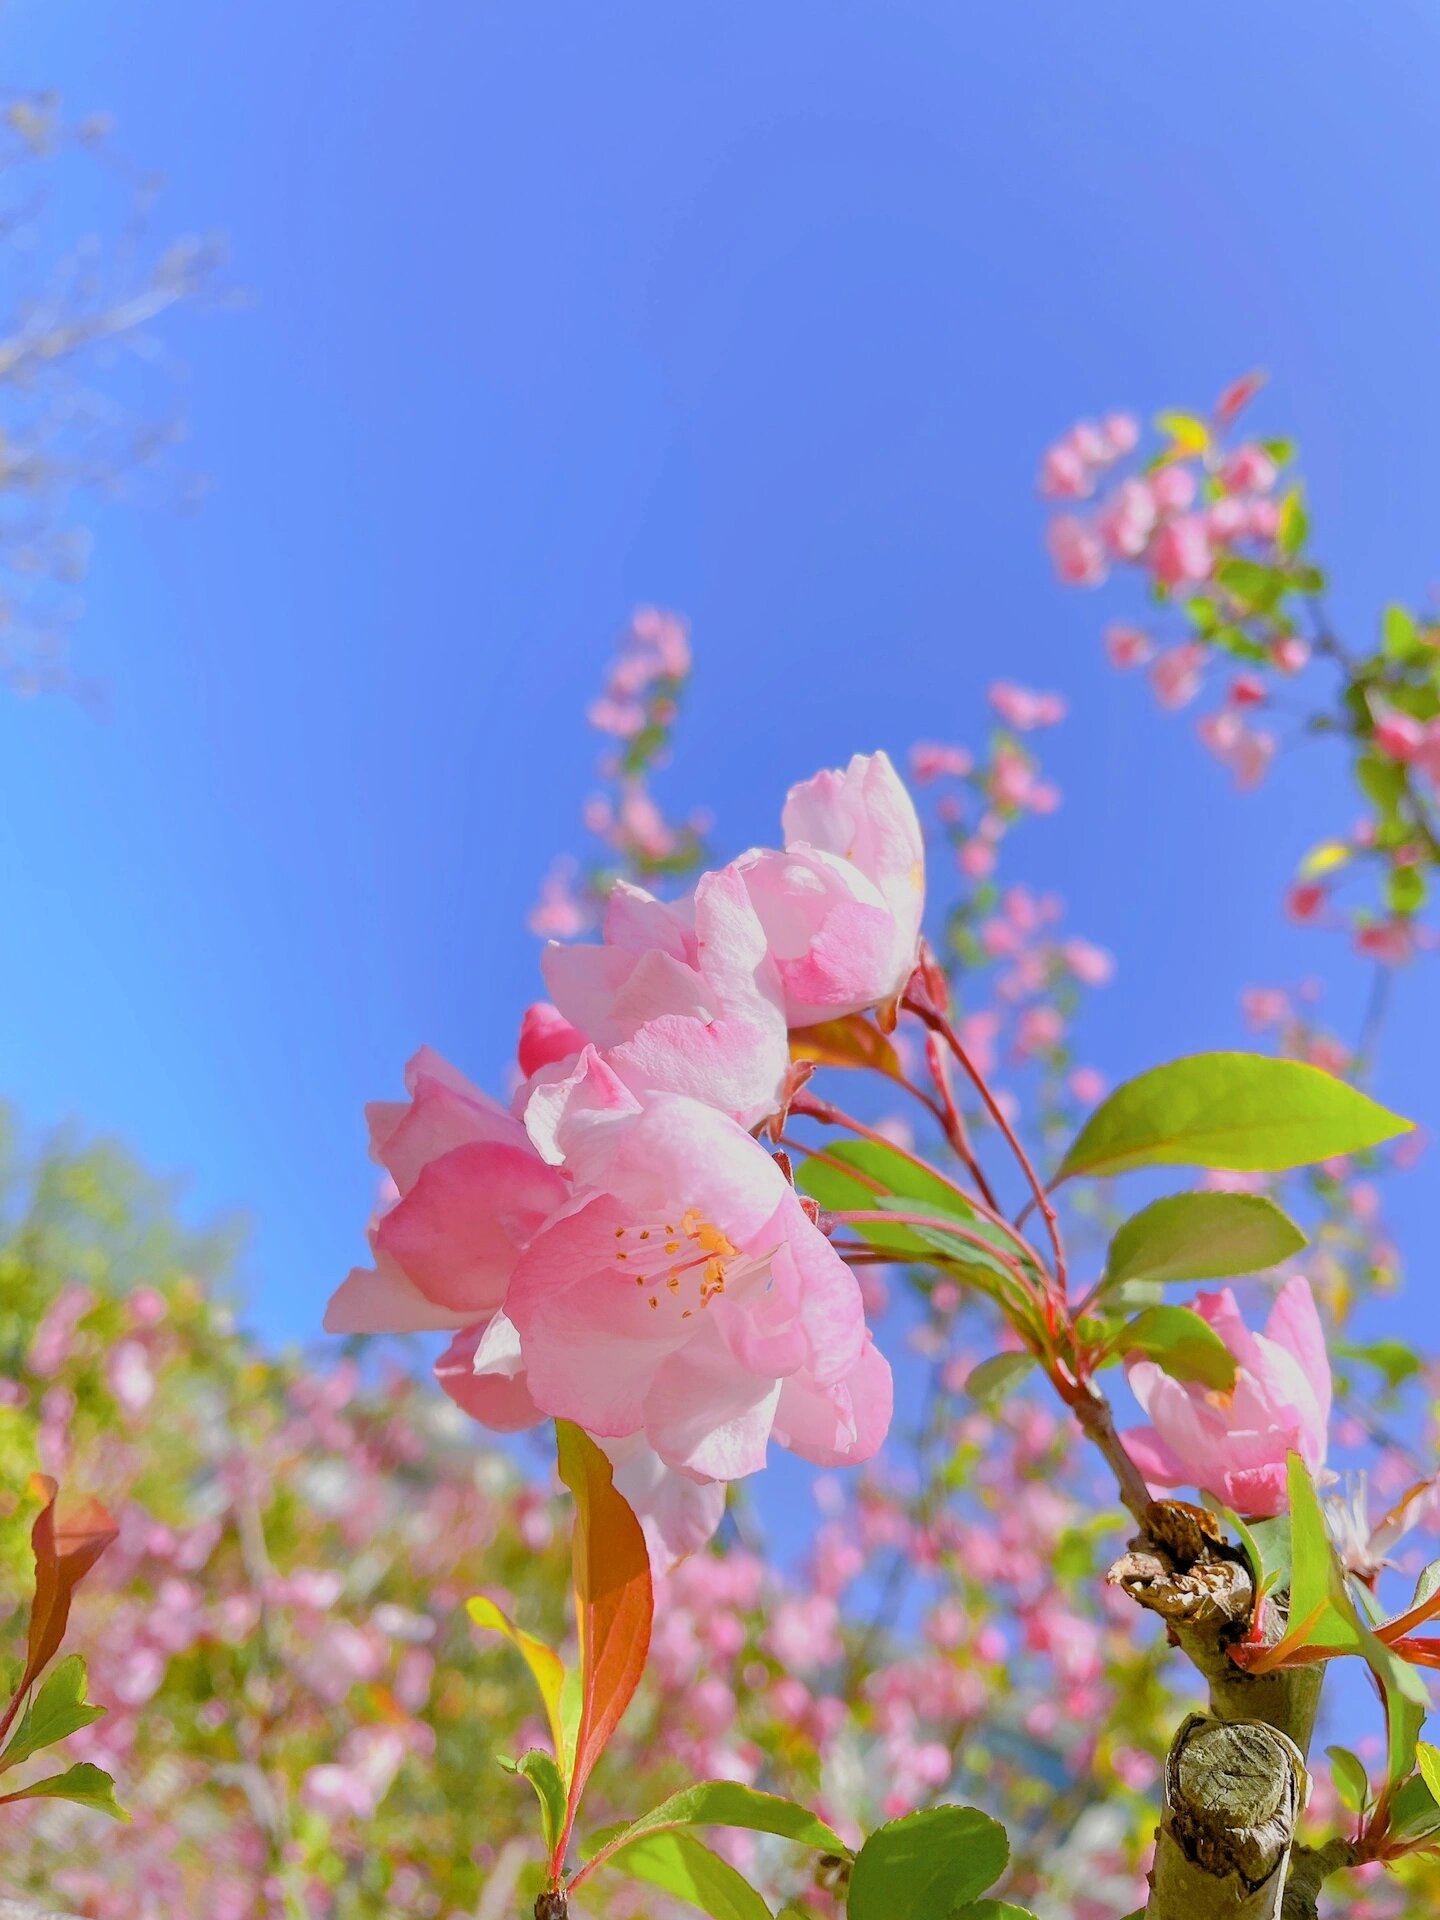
pixel 637 708
pixel 1180 521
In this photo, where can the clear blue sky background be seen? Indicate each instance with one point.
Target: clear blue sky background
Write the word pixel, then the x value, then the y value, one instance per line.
pixel 763 312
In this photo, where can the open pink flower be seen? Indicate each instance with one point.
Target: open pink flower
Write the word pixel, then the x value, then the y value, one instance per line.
pixel 685 1295
pixel 1181 551
pixel 483 1372
pixel 1023 709
pixel 664 1288
pixel 472 1190
pixel 1234 1445
pixel 841 905
pixel 1076 550
pixel 679 997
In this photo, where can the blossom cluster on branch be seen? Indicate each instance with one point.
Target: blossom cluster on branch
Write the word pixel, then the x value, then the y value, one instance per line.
pixel 771 1145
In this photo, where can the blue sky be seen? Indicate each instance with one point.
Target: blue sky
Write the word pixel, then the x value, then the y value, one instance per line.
pixel 761 312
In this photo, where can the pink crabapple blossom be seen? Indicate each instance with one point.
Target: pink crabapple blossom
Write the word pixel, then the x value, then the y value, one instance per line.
pixel 841 905
pixel 1234 1443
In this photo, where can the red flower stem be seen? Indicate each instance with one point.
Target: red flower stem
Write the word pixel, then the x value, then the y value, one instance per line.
pixel 937 1021
pixel 828 1114
pixel 953 1121
pixel 952 1227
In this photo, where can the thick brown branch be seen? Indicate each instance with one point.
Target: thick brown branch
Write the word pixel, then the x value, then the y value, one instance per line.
pixel 1181 1567
pixel 1310 1868
pixel 1233 1792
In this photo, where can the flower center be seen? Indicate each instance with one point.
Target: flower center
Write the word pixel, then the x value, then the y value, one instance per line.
pixel 685 1260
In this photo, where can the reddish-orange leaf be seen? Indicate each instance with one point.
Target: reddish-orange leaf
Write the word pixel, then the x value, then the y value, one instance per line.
pixel 614 1606
pixel 851 1042
pixel 65 1551
pixel 1393 1631
pixel 1420 1653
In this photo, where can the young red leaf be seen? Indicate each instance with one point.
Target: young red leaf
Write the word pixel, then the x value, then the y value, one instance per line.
pixel 851 1042
pixel 614 1607
pixel 64 1553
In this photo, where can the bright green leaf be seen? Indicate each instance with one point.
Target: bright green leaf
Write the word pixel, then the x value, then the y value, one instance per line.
pixel 544 1776
pixel 1426 1585
pixel 677 1863
pixel 1393 1358
pixel 1405 890
pixel 1293 522
pixel 544 1663
pixel 1352 1782
pixel 1324 1621
pixel 1182 1344
pixel 980 1267
pixel 58 1709
pixel 1202 1236
pixel 926 1864
pixel 1401 634
pixel 997 1377
pixel 1271 1540
pixel 1259 588
pixel 726 1803
pixel 1407 1702
pixel 1325 858
pixel 873 1176
pixel 1322 1614
pixel 1427 1758
pixel 1382 781
pixel 85 1785
pixel 1188 434
pixel 1414 1809
pixel 1243 1111
pixel 989 1910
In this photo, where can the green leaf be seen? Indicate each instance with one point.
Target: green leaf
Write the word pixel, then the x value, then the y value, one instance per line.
pixel 926 1864
pixel 1322 1614
pixel 979 1267
pixel 678 1863
pixel 1244 1111
pixel 544 1776
pixel 1254 1551
pixel 1407 1701
pixel 725 1803
pixel 989 1910
pixel 882 1177
pixel 1427 1758
pixel 1414 1809
pixel 57 1710
pixel 1189 434
pixel 1327 857
pixel 1293 522
pixel 1382 781
pixel 872 1177
pixel 1259 588
pixel 1426 1585
pixel 1271 1540
pixel 1202 1236
pixel 1324 1620
pixel 546 1666
pixel 997 1377
pixel 1393 1358
pixel 1352 1782
pixel 85 1785
pixel 1401 635
pixel 1180 1342
pixel 1405 889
